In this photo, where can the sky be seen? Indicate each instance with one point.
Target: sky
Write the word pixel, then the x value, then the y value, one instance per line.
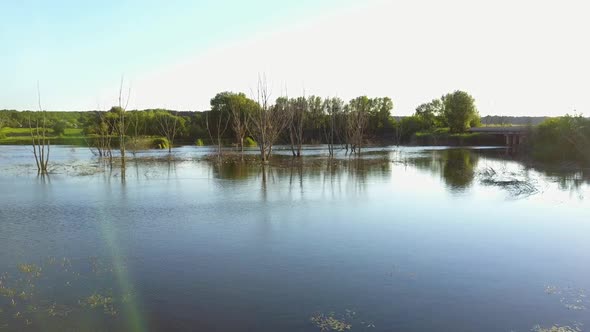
pixel 517 57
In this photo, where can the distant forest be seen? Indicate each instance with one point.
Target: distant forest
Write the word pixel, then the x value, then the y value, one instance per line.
pixel 497 120
pixel 234 119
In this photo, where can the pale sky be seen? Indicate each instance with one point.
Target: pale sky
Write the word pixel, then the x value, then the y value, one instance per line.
pixel 515 57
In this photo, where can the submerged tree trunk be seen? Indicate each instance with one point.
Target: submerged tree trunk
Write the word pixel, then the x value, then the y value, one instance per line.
pixel 40 143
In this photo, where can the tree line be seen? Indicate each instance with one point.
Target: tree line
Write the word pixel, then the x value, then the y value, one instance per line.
pixel 239 120
pixel 233 117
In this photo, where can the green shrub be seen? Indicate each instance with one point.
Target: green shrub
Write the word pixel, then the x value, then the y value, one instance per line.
pixel 199 142
pixel 59 128
pixel 160 143
pixel 560 139
pixel 249 142
pixel 141 143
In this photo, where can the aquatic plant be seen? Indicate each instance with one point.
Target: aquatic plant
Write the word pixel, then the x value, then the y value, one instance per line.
pixel 28 296
pixel 570 297
pixel 517 184
pixel 341 322
pixel 249 142
pixel 329 322
pixel 97 300
pixel 556 328
pixel 160 143
pixel 30 269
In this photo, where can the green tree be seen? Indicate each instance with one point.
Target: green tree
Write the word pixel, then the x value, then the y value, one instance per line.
pixel 239 108
pixel 459 111
pixel 59 128
pixel 431 114
pixel 563 138
pixel 380 114
pixel 3 119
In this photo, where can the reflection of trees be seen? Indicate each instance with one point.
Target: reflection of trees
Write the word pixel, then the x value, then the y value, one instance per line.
pixel 332 175
pixel 296 175
pixel 432 164
pixel 233 171
pixel 459 168
pixel 456 166
pixel 572 181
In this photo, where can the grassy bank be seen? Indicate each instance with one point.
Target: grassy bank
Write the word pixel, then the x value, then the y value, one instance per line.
pixel 76 137
pixel 442 136
pixel 22 136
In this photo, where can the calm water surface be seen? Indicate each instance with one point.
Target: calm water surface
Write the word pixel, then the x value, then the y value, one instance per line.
pixel 405 239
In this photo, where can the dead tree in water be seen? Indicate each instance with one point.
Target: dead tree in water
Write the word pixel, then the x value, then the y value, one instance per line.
pixel 217 127
pixel 120 125
pixel 240 120
pixel 268 121
pixel 39 140
pixel 298 108
pixel 237 107
pixel 399 131
pixel 169 124
pixel 333 107
pixel 357 119
pixel 137 125
pixel 103 140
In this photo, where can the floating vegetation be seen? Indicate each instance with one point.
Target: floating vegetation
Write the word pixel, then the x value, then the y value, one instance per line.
pixel 329 322
pixel 30 269
pixel 518 184
pixel 100 267
pixel 342 322
pixel 571 298
pixel 58 310
pixel 100 301
pixel 557 328
pixel 28 292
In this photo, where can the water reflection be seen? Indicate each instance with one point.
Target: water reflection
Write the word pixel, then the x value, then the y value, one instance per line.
pixel 456 166
pixel 459 168
pixel 232 171
pixel 297 245
pixel 345 176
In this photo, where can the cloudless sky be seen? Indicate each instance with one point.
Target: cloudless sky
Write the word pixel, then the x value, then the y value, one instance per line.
pixel 515 57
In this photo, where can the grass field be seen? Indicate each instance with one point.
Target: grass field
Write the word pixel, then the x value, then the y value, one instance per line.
pixel 442 136
pixel 22 136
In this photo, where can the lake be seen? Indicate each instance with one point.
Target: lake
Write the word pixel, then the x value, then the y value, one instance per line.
pixel 402 239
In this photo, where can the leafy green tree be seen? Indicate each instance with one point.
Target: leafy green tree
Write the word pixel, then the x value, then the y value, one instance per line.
pixel 315 116
pixel 408 126
pixel 238 108
pixel 432 114
pixel 459 111
pixel 380 114
pixel 563 138
pixel 59 128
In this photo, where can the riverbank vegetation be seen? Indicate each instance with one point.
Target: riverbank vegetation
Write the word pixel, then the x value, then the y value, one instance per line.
pixel 237 120
pixel 304 120
pixel 560 139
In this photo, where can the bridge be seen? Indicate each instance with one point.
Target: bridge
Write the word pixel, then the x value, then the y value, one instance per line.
pixel 515 135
